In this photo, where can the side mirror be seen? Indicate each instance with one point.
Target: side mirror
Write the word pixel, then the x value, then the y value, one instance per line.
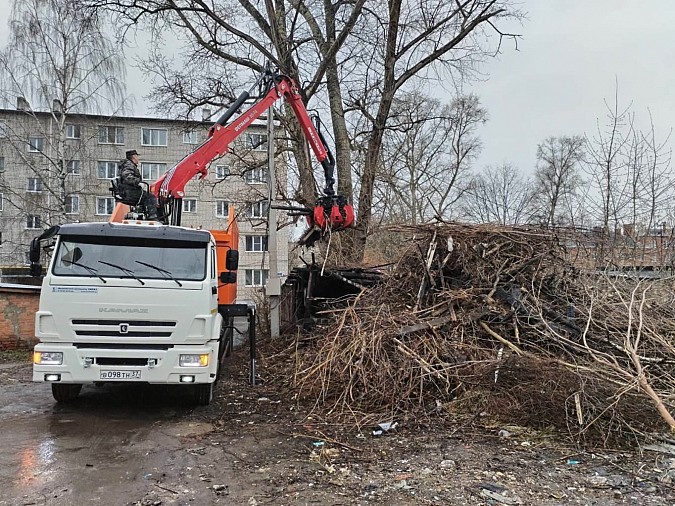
pixel 232 260
pixel 228 278
pixel 34 250
pixel 35 269
pixel 49 233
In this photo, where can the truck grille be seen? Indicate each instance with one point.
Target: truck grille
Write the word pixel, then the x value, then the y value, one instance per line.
pixel 123 328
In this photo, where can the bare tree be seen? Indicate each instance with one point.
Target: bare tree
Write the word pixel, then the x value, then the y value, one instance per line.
pixel 607 166
pixel 498 195
pixel 359 55
pixel 650 172
pixel 426 157
pixel 58 63
pixel 556 177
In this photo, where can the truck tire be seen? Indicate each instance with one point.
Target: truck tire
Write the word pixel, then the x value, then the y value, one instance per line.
pixel 203 394
pixel 65 392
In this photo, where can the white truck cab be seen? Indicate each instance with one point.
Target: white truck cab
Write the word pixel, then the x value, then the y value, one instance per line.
pixel 129 302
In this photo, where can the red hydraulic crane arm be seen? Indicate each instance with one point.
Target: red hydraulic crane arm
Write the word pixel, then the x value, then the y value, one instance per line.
pixel 221 135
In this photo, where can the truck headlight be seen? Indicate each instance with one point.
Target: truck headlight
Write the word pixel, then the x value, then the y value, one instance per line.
pixel 193 360
pixel 48 357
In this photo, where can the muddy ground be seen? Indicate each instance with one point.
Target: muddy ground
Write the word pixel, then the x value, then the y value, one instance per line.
pixel 144 445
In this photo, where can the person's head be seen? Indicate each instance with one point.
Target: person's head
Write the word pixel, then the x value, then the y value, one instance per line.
pixel 133 156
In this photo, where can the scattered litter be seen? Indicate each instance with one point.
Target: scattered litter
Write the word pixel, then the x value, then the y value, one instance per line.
pixel 448 464
pixel 500 497
pixel 318 444
pixel 599 481
pixel 492 487
pixel 218 488
pixel 384 427
pixel 504 433
pixel 572 462
pixel 252 502
pixel 402 485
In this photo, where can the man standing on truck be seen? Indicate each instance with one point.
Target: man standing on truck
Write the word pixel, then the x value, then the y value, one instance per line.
pixel 129 178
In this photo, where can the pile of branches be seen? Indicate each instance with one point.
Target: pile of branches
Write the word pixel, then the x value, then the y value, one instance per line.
pixel 494 320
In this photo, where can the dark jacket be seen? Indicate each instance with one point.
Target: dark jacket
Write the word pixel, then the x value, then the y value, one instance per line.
pixel 128 173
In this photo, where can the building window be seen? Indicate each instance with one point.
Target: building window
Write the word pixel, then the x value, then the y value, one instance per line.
pixel 256 243
pixel 258 175
pixel 222 208
pixel 151 171
pixel 153 136
pixel 256 277
pixel 73 167
pixel 72 204
pixel 32 221
pixel 1 202
pixel 190 137
pixel 34 184
pixel 258 209
pixel 105 205
pixel 2 164
pixel 107 169
pixel 36 144
pixel 4 130
pixel 257 142
pixel 73 131
pixel 222 171
pixel 110 135
pixel 189 205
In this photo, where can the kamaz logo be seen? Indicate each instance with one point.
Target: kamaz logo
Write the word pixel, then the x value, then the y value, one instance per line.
pixel 122 310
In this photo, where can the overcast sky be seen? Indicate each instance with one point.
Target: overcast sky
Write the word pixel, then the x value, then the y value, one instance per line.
pixel 571 54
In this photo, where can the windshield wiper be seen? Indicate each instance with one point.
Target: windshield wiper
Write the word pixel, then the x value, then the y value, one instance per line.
pixel 91 270
pixel 123 269
pixel 160 270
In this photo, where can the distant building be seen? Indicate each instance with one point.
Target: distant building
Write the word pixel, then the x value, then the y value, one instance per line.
pixel 56 169
pixel 629 247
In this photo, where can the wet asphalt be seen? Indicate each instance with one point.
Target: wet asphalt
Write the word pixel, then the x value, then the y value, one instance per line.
pixel 101 449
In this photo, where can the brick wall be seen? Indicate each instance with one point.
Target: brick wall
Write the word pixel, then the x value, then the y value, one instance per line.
pixel 18 305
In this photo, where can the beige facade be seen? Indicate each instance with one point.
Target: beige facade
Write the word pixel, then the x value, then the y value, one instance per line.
pixel 55 170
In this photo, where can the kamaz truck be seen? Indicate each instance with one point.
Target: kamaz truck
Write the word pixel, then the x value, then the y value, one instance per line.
pixel 135 301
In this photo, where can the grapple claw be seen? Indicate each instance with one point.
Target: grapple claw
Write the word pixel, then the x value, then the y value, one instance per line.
pixel 332 212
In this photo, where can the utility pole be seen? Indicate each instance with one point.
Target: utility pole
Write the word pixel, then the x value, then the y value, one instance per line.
pixel 273 288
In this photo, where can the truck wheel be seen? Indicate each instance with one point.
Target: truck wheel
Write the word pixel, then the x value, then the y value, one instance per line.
pixel 203 394
pixel 65 392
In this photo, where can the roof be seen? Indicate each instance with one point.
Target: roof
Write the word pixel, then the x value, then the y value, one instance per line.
pixel 215 114
pixel 108 118
pixel 136 231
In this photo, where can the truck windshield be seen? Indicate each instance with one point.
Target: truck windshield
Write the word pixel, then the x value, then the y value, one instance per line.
pixel 125 258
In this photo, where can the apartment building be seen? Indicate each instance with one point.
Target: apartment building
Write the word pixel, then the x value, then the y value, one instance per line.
pixel 56 169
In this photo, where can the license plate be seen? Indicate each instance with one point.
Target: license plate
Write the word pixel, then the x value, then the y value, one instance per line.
pixel 120 375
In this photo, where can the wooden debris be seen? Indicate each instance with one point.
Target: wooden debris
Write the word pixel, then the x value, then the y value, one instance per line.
pixel 590 353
